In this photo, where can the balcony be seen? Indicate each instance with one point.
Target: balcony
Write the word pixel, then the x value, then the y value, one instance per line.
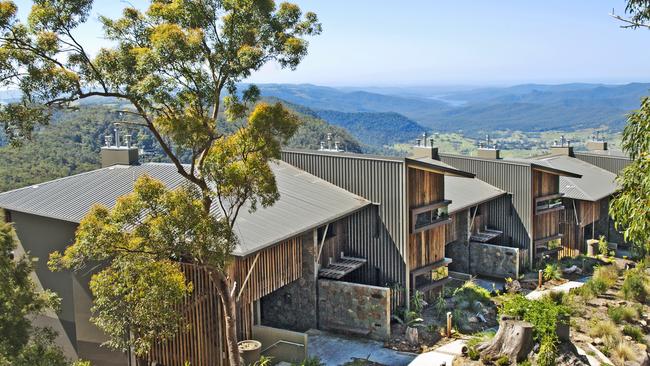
pixel 429 216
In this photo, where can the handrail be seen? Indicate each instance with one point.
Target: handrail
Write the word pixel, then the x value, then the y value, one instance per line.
pixel 283 342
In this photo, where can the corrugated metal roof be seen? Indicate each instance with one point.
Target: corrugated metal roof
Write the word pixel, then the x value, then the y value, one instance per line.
pixel 595 184
pixel 543 165
pixel 468 192
pixel 305 201
pixel 424 162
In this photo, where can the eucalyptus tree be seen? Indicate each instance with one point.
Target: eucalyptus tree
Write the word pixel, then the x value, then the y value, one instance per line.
pixel 630 208
pixel 177 65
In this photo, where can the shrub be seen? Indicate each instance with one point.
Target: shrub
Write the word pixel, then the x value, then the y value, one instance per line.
pixel 635 332
pixel 502 361
pixel 603 247
pixel 477 339
pixel 620 314
pixel 543 314
pixel 311 361
pixel 470 292
pixel 606 330
pixel 635 285
pixel 440 306
pixel 552 272
pixel 607 274
pixel 417 302
pixel 624 352
pixel 547 352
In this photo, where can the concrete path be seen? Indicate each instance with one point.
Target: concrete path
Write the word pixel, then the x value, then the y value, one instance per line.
pixel 336 350
pixel 565 287
pixel 444 355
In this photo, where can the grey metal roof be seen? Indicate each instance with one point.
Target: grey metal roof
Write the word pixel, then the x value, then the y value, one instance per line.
pixel 305 201
pixel 468 192
pixel 545 166
pixel 595 184
pixel 423 162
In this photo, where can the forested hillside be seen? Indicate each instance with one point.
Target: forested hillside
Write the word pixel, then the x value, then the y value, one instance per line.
pixel 528 108
pixel 71 144
pixel 375 128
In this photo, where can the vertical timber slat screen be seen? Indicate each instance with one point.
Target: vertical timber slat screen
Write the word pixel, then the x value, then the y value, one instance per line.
pixel 200 341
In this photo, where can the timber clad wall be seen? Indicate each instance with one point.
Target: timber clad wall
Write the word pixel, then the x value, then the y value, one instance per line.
pixel 427 246
pixel 380 180
pixel 202 342
pixel 275 267
pixel 546 224
pixel 610 163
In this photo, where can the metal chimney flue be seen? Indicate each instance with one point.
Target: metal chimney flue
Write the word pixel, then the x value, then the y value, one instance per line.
pixel 116 154
pixel 488 149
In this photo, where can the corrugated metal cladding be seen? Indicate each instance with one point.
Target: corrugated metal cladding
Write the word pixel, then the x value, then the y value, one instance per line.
pixel 382 181
pixel 513 177
pixel 502 216
pixel 610 163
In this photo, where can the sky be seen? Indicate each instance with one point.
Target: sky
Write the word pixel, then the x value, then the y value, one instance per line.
pixel 460 42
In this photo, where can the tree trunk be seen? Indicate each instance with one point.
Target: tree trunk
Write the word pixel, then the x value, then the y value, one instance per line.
pixel 230 316
pixel 514 339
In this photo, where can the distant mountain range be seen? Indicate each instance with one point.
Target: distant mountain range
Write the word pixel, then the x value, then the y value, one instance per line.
pixel 529 107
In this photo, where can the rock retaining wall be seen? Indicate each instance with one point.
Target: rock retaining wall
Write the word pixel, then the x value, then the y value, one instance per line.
pixel 354 308
pixel 494 260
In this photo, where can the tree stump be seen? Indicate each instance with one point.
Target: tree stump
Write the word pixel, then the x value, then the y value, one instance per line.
pixel 514 339
pixel 412 336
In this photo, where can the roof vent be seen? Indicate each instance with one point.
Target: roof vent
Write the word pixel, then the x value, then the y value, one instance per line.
pixel 119 153
pixel 332 145
pixel 422 150
pixel 562 147
pixel 597 143
pixel 488 149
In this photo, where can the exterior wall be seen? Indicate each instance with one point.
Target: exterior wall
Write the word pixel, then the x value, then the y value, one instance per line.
pixel 380 180
pixel 514 216
pixel 427 246
pixel 275 267
pixel 294 305
pixel 494 260
pixel 610 163
pixel 354 308
pixel 41 236
pixel 458 249
pixel 545 225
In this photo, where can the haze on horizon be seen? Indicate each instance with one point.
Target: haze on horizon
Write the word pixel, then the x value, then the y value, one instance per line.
pixel 471 42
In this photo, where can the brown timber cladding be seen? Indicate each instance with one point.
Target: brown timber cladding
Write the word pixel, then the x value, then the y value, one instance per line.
pixel 382 181
pixel 275 267
pixel 546 224
pixel 427 246
pixel 576 216
pixel 200 342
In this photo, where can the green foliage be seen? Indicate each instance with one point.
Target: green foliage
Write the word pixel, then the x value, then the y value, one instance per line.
pixel 469 293
pixel 552 272
pixel 440 306
pixel 635 285
pixel 502 361
pixel 547 351
pixel 622 313
pixel 630 208
pixel 603 247
pixel 22 344
pixel 417 302
pixel 635 332
pixel 475 340
pixel 543 314
pixel 310 361
pixel 263 361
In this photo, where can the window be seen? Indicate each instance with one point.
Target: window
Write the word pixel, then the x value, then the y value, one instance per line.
pixel 428 216
pixel 548 204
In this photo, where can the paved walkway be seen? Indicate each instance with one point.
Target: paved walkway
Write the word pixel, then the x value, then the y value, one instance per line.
pixel 565 287
pixel 441 356
pixel 335 350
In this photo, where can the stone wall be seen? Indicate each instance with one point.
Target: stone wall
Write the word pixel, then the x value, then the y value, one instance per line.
pixel 354 308
pixel 294 305
pixel 458 250
pixel 494 260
